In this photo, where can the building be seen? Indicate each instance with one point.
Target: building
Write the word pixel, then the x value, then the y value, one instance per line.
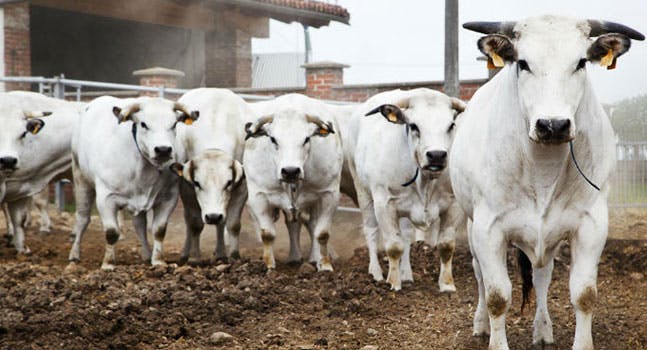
pixel 208 40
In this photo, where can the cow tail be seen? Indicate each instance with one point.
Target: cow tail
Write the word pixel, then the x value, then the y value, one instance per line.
pixel 525 267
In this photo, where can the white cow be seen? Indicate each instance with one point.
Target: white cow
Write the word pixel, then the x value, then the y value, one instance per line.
pixel 32 150
pixel 512 172
pixel 398 157
pixel 293 161
pixel 214 191
pixel 122 149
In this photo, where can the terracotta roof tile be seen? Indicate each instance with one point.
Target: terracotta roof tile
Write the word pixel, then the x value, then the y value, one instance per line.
pixel 311 5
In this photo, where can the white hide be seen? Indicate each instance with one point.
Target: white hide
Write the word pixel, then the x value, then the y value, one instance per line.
pixel 124 173
pixel 220 133
pixel 317 191
pixel 529 194
pixel 383 156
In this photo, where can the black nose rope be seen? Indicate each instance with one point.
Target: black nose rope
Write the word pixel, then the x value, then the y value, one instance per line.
pixel 570 143
pixel 415 176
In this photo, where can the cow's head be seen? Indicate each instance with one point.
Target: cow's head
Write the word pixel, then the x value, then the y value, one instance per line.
pixel 18 127
pixel 214 175
pixel 429 117
pixel 291 133
pixel 154 121
pixel 549 55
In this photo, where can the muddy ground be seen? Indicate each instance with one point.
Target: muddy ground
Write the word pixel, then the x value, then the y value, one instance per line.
pixel 44 305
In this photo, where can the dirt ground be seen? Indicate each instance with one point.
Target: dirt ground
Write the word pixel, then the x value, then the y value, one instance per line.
pixel 44 305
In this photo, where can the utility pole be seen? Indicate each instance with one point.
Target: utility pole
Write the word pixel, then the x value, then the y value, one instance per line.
pixel 308 45
pixel 451 86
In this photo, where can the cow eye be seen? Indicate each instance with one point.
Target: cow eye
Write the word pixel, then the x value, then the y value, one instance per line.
pixel 307 140
pixel 523 65
pixel 228 184
pixel 581 64
pixel 273 140
pixel 414 127
pixel 197 185
pixel 451 127
pixel 143 125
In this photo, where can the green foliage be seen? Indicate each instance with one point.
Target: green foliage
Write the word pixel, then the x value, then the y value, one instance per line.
pixel 629 118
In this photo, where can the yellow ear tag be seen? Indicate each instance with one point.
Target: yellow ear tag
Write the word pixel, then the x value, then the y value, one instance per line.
pixel 323 131
pixel 613 64
pixel 36 128
pixel 608 59
pixel 497 60
pixel 392 117
pixel 490 64
pixel 188 121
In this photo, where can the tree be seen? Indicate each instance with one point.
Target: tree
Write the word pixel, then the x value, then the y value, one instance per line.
pixel 629 118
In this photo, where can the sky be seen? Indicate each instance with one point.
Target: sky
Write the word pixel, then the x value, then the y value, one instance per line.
pixel 403 40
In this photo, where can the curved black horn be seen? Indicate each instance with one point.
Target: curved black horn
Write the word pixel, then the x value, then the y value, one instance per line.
pixel 603 27
pixel 505 28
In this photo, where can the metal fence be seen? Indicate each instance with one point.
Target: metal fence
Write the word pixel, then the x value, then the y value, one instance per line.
pixel 629 183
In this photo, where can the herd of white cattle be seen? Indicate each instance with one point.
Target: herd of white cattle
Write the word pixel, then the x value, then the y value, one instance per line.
pixel 510 167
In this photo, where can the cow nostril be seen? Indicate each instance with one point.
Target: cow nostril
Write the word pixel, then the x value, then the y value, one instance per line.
pixel 290 172
pixel 213 219
pixel 543 125
pixel 163 150
pixel 436 155
pixel 8 162
pixel 561 125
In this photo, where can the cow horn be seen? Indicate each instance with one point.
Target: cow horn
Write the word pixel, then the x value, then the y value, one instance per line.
pixel 603 27
pixel 36 114
pixel 403 103
pixel 320 124
pixel 505 28
pixel 178 107
pixel 255 129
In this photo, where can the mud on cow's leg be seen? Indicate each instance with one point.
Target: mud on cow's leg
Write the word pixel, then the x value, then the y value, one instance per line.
pixel 157 258
pixel 586 247
pixel 446 277
pixel 268 237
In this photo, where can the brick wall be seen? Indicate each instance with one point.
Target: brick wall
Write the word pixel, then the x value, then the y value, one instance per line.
pixel 17 51
pixel 325 80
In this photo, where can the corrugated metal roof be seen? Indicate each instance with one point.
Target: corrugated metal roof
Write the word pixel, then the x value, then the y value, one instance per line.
pixel 274 70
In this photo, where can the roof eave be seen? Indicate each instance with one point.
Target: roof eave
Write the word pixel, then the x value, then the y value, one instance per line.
pixel 288 14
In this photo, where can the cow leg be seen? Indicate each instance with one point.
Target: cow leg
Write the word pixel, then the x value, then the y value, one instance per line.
pixel 84 195
pixel 481 319
pixel 41 202
pixel 294 231
pixel 221 250
pixel 406 274
pixel 322 214
pixel 140 224
pixel 387 219
pixel 586 247
pixel 371 233
pixel 264 218
pixel 194 225
pixel 161 212
pixel 10 230
pixel 18 213
pixel 234 213
pixel 108 212
pixel 489 247
pixel 542 326
pixel 446 245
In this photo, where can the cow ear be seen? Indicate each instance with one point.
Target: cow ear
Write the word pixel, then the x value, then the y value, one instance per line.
pixel 177 169
pixel 35 125
pixel 125 114
pixel 607 48
pixel 185 116
pixel 498 49
pixel 238 173
pixel 391 113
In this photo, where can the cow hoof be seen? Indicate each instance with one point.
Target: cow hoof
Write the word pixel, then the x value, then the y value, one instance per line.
pixel 235 255
pixel 107 267
pixel 194 262
pixel 542 345
pixel 447 288
pixel 482 335
pixel 406 276
pixel 324 267
pixel 26 251
pixel 295 263
pixel 159 263
pixel 396 287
